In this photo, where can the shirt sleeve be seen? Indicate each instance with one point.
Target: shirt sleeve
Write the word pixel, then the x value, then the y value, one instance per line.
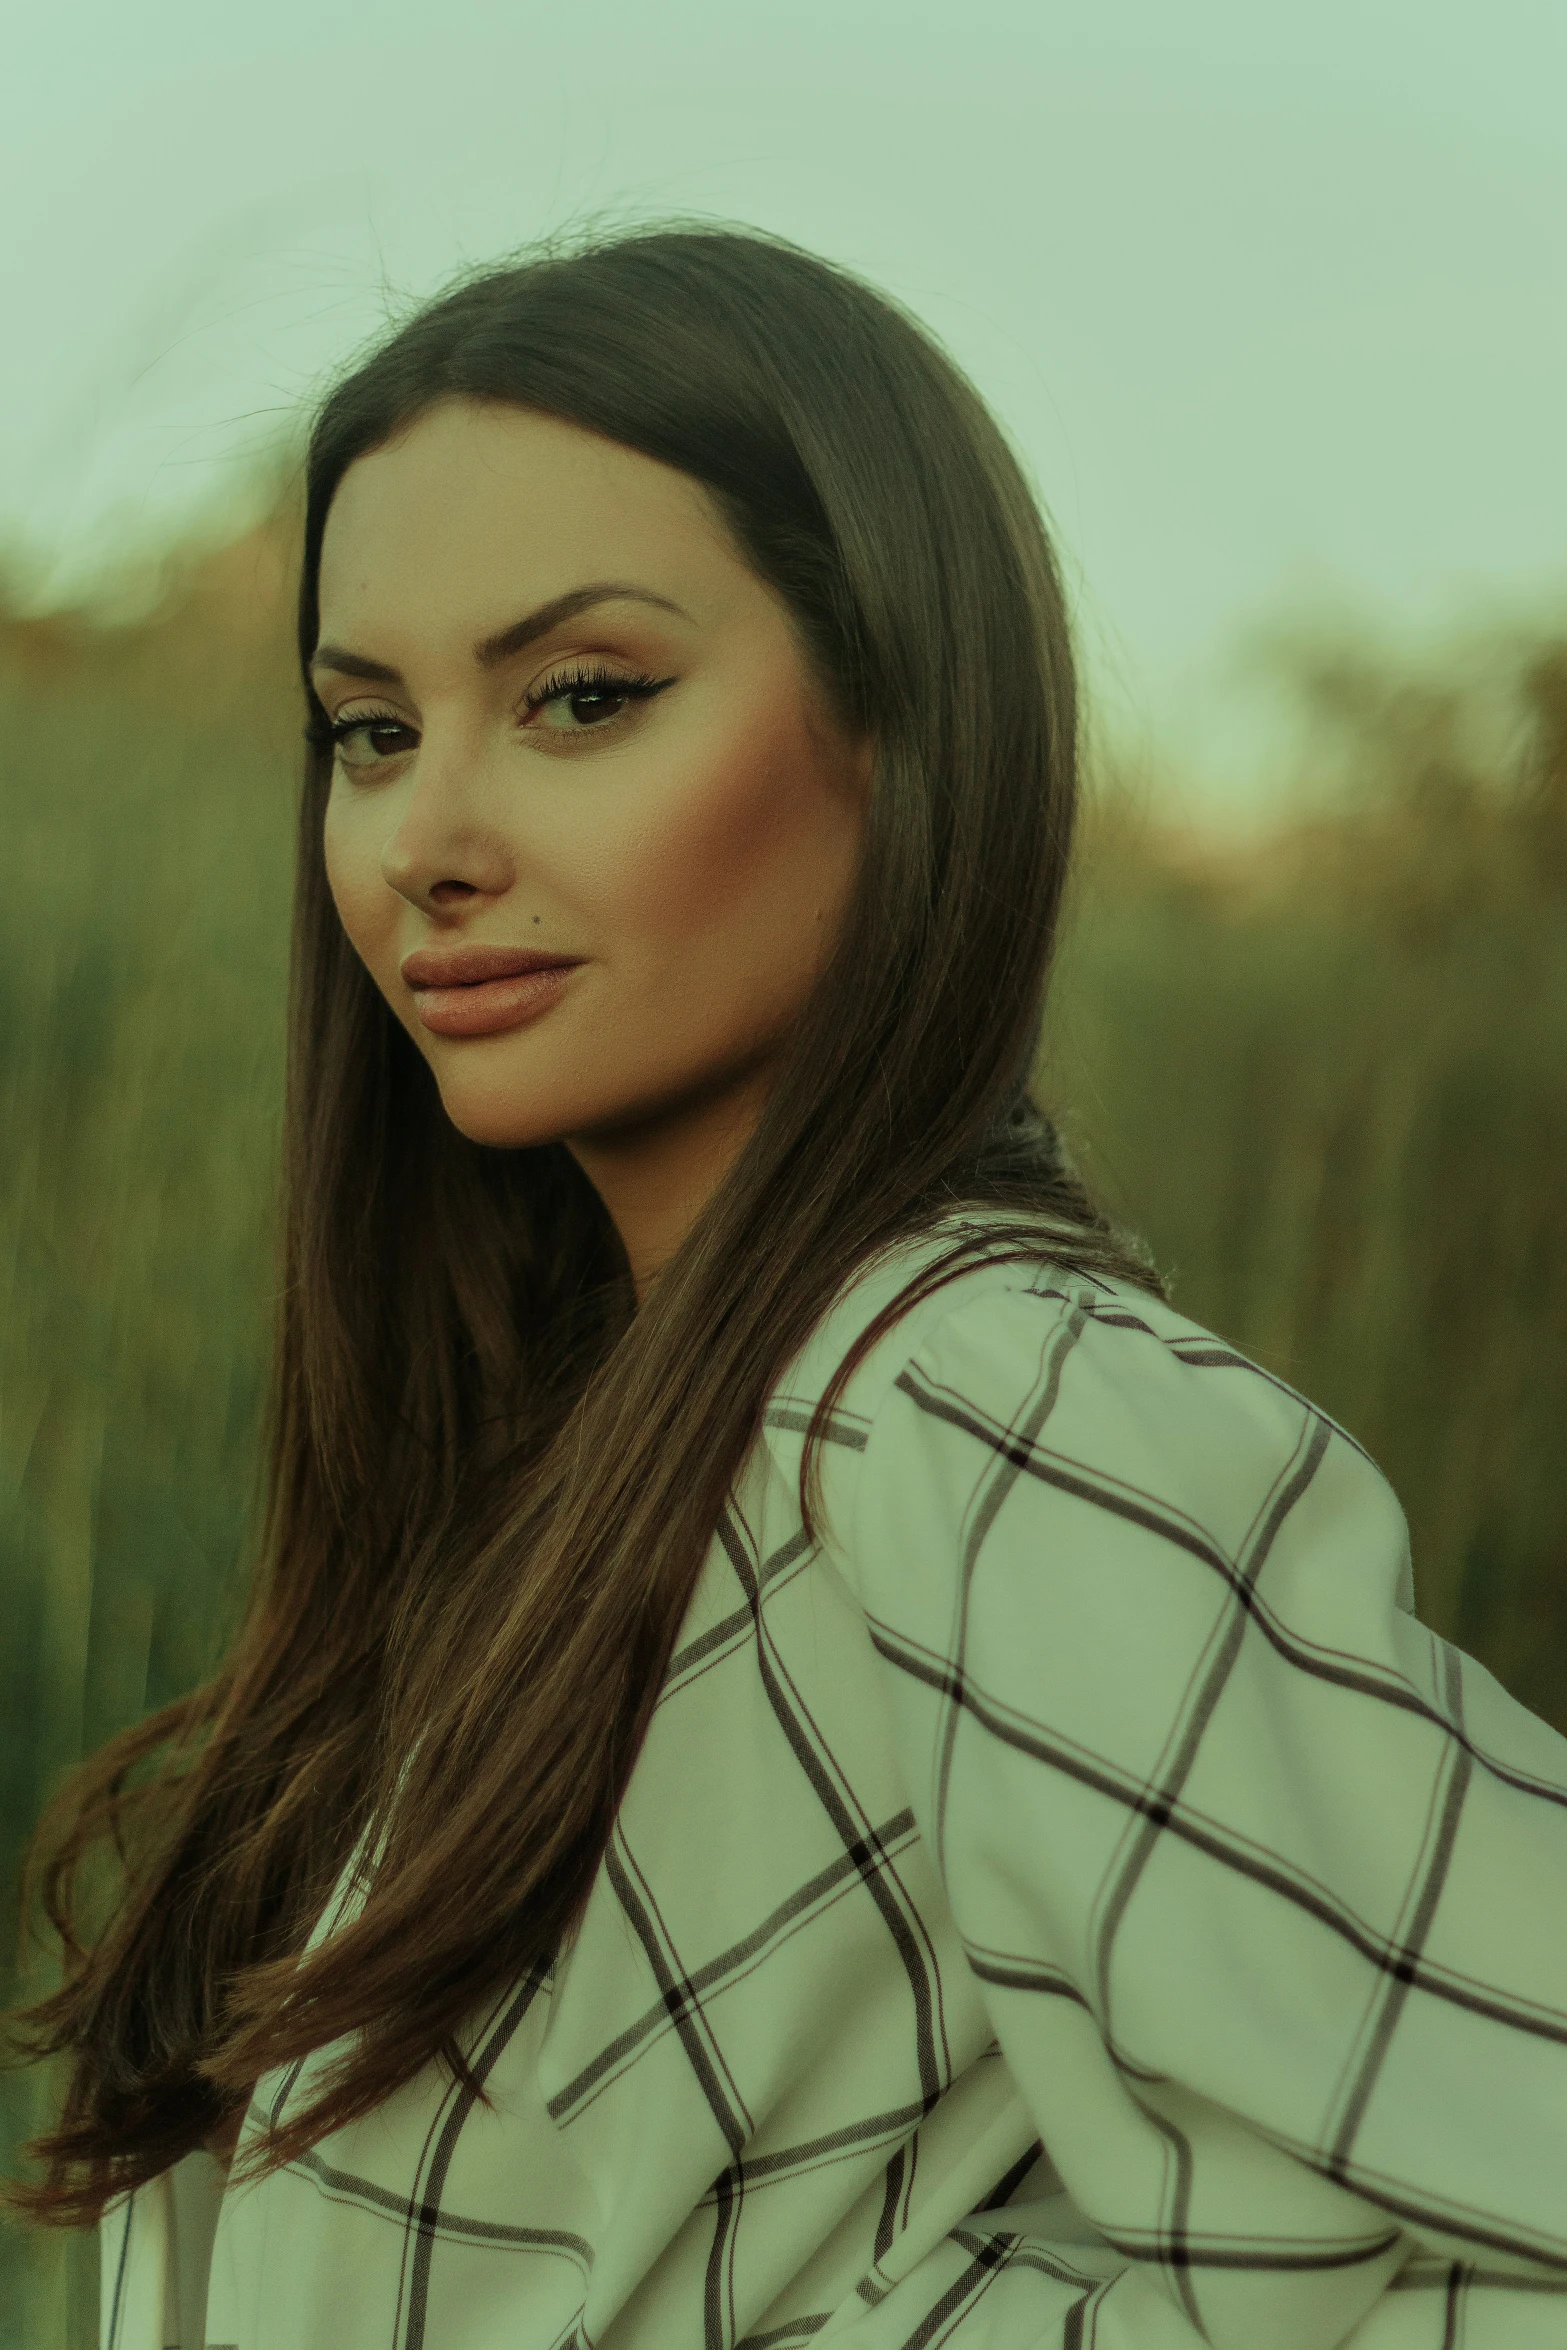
pixel 1264 1884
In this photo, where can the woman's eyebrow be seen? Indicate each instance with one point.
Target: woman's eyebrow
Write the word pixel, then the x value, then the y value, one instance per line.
pixel 494 649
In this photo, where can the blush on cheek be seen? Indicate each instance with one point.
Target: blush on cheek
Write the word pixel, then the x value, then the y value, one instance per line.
pixel 751 818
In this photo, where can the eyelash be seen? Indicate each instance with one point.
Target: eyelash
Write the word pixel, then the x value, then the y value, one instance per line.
pixel 576 677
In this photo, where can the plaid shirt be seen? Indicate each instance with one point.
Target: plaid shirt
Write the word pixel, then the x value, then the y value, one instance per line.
pixel 1075 1903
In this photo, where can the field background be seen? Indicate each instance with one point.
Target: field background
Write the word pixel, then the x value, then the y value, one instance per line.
pixel 1324 1073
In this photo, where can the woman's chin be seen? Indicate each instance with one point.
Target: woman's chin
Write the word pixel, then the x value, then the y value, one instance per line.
pixel 498 1125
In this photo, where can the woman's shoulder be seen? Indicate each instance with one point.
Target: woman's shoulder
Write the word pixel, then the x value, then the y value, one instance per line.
pixel 984 1302
pixel 1084 1393
pixel 889 1307
pixel 1098 1356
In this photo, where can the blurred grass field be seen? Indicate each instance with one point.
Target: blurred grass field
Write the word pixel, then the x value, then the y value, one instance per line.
pixel 1325 1075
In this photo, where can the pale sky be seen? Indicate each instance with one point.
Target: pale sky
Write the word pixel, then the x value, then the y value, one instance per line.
pixel 1270 298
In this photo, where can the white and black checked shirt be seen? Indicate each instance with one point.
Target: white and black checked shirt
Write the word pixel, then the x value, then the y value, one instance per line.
pixel 1077 1904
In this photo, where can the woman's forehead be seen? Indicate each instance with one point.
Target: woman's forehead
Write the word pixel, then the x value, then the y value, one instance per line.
pixel 493 506
pixel 465 464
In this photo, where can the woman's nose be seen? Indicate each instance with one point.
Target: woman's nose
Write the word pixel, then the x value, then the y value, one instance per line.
pixel 445 840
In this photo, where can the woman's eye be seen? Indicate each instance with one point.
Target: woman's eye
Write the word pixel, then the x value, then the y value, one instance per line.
pixel 571 707
pixel 345 730
pixel 583 699
pixel 568 705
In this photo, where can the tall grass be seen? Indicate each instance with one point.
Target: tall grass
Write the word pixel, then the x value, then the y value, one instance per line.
pixel 145 788
pixel 1327 1078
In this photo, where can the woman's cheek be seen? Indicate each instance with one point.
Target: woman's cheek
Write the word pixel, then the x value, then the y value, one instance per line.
pixel 335 835
pixel 720 830
pixel 353 879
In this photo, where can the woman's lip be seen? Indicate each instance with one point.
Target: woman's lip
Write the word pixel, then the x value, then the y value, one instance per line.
pixel 487 1006
pixel 465 966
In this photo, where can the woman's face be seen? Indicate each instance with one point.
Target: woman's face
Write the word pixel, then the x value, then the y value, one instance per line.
pixel 580 726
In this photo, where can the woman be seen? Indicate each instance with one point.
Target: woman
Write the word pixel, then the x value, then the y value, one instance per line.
pixel 810 1760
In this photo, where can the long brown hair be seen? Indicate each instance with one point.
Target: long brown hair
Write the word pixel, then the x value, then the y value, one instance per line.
pixel 491 1479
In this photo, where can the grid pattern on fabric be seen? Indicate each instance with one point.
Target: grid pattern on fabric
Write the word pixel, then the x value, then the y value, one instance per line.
pixel 1303 1921
pixel 1074 1902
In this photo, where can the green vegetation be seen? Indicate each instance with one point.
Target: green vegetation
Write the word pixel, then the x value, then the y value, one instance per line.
pixel 1326 1077
pixel 145 790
